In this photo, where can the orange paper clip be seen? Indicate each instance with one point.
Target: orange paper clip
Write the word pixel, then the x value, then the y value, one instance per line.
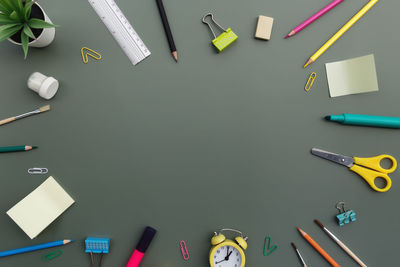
pixel 185 253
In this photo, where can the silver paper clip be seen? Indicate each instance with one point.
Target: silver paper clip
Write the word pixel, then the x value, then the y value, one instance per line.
pixel 38 170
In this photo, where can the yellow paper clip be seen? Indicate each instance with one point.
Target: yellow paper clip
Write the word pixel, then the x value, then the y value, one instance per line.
pixel 310 81
pixel 90 53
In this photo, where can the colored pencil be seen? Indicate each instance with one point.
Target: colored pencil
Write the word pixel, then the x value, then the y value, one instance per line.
pixel 318 248
pixel 36 111
pixel 167 29
pixel 343 246
pixel 314 17
pixel 34 248
pixel 339 34
pixel 16 148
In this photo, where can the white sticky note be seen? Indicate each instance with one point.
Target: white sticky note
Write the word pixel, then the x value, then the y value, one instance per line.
pixel 353 76
pixel 41 207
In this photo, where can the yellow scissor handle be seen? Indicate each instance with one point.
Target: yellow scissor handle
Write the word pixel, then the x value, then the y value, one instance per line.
pixel 375 163
pixel 370 176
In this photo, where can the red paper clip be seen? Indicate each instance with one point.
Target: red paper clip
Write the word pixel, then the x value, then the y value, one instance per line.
pixel 185 253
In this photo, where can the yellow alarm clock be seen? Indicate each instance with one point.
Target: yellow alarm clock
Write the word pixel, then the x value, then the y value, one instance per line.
pixel 228 253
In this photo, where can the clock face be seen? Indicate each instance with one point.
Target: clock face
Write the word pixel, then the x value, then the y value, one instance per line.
pixel 227 256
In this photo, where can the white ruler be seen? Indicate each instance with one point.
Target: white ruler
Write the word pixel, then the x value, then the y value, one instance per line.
pixel 121 29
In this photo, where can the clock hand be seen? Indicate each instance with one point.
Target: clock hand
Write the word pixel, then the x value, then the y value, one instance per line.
pixel 227 252
pixel 226 258
pixel 220 261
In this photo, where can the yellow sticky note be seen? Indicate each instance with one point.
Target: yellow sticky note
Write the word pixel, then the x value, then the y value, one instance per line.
pixel 41 207
pixel 352 76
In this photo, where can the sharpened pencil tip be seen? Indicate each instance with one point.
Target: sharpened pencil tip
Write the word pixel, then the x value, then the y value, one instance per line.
pixel 290 34
pixel 301 231
pixel 328 118
pixel 175 55
pixel 308 63
pixel 34 147
pixel 293 245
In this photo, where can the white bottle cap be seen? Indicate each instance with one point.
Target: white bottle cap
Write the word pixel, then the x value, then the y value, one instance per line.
pixel 45 86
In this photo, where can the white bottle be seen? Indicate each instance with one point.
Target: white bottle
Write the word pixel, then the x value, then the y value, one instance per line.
pixel 45 86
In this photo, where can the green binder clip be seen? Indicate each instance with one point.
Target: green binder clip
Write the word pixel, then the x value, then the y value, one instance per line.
pixel 225 39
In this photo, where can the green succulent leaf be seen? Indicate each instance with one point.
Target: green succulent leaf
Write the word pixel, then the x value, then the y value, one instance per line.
pixel 14 16
pixel 28 32
pixel 4 19
pixel 25 43
pixel 5 27
pixel 4 9
pixel 6 4
pixel 7 33
pixel 39 24
pixel 28 8
pixel 11 4
pixel 20 5
pixel 17 6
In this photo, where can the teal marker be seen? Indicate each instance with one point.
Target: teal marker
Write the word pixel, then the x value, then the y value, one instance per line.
pixel 366 120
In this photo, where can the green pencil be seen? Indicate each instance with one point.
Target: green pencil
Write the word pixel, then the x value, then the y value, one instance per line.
pixel 16 148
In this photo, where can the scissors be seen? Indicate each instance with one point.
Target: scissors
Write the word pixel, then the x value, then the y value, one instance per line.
pixel 372 171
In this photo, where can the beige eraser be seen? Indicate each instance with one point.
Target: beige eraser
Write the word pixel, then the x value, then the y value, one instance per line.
pixel 264 27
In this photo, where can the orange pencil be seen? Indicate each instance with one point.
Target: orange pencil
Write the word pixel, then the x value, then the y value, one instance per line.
pixel 318 248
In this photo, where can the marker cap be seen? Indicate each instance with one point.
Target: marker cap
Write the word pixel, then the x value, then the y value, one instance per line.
pixel 146 239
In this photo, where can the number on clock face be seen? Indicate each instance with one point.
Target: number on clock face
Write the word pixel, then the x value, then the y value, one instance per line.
pixel 227 256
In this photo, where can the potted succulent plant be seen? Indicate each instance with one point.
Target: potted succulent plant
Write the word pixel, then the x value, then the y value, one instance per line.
pixel 24 22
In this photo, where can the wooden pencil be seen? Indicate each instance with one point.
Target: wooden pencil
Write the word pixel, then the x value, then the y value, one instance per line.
pixel 318 248
pixel 342 31
pixel 167 29
pixel 313 18
pixel 16 148
pixel 35 247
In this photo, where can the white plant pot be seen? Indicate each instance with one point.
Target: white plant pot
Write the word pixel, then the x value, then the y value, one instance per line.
pixel 45 38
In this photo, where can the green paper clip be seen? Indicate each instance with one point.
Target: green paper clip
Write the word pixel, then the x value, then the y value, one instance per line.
pixel 267 246
pixel 52 255
pixel 225 39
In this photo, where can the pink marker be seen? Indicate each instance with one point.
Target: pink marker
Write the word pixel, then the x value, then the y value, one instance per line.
pixel 314 18
pixel 141 247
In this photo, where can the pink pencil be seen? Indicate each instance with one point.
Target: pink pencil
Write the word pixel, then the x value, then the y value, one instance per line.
pixel 314 18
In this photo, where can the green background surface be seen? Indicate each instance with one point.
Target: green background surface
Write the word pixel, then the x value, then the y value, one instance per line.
pixel 217 140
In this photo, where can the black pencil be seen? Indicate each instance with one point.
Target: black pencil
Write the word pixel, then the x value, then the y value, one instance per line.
pixel 167 29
